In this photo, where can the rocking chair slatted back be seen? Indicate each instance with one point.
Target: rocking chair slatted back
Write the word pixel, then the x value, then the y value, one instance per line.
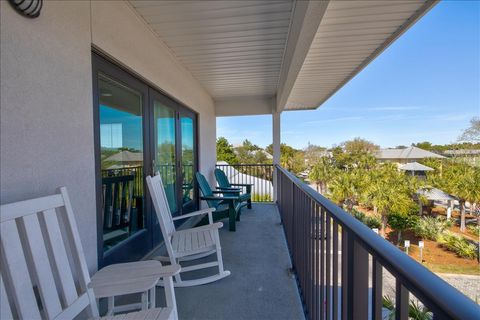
pixel 206 190
pixel 222 179
pixel 160 202
pixel 35 261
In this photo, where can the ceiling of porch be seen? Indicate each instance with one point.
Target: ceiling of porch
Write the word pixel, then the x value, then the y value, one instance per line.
pixel 295 54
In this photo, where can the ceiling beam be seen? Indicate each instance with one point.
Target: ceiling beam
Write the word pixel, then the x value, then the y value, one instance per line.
pixel 307 15
pixel 244 106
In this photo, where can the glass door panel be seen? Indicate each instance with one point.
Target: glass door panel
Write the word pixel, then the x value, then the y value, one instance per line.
pixel 165 150
pixel 121 161
pixel 188 160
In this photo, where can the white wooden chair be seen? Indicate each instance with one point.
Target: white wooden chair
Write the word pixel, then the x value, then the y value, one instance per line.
pixel 44 274
pixel 187 244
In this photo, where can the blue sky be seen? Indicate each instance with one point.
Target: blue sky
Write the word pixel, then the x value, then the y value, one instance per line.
pixel 424 87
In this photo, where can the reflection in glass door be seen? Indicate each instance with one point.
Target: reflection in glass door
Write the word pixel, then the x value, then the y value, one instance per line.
pixel 121 156
pixel 138 132
pixel 188 162
pixel 165 150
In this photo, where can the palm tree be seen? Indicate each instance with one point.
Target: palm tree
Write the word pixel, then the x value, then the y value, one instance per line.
pixel 322 173
pixel 390 191
pixel 345 189
pixel 461 180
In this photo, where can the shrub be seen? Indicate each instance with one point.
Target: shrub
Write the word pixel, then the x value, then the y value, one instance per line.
pixel 430 228
pixel 461 246
pixel 416 311
pixel 256 197
pixel 475 229
pixel 370 221
pixel 400 222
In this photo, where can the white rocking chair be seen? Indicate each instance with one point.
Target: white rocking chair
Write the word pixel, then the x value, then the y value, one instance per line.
pixel 188 244
pixel 42 257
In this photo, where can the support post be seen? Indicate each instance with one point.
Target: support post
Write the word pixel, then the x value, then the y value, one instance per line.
pixel 276 148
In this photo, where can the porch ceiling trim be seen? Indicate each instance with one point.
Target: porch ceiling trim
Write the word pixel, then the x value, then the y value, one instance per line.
pixel 312 76
pixel 306 18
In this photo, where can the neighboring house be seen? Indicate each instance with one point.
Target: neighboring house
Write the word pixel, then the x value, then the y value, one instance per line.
pixel 403 156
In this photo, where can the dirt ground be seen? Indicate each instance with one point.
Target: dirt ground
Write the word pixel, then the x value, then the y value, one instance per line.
pixel 435 257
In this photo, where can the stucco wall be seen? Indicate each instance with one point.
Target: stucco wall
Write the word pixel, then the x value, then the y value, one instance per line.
pixel 46 111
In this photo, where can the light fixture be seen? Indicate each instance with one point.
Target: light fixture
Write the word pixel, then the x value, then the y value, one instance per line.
pixel 27 8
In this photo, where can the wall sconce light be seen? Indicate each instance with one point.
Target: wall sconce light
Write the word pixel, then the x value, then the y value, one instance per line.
pixel 27 8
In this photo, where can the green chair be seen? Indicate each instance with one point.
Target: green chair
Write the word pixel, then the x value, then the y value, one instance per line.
pixel 224 184
pixel 226 205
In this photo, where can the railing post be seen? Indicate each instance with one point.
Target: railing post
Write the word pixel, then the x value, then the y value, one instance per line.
pixel 357 279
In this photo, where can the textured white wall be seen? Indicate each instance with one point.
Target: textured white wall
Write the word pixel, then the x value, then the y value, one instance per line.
pixel 46 112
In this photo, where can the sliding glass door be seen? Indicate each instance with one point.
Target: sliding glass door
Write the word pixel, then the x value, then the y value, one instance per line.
pixel 138 132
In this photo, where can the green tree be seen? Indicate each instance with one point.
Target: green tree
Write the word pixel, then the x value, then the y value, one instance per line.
pixel 322 172
pixel 225 151
pixel 461 180
pixel 248 153
pixel 290 158
pixel 344 189
pixel 391 191
pixel 359 146
pixel 472 134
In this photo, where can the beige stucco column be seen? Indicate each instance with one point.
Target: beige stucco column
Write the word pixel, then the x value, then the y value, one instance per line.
pixel 276 148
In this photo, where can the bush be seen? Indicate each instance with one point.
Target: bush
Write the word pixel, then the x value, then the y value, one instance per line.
pixel 475 229
pixel 416 311
pixel 261 197
pixel 461 246
pixel 401 222
pixel 371 222
pixel 430 228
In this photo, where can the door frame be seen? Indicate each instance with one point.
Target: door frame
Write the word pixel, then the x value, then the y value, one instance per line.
pixel 128 251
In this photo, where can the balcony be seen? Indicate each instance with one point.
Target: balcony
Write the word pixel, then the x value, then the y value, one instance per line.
pixel 279 271
pixel 260 286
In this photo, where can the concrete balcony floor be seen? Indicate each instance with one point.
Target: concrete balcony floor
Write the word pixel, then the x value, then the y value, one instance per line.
pixel 259 287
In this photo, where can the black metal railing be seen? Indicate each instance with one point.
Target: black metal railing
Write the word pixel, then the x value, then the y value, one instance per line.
pixel 259 175
pixel 339 263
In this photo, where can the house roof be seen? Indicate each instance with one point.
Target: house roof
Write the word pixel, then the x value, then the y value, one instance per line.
pixel 415 166
pixel 407 153
pixel 435 194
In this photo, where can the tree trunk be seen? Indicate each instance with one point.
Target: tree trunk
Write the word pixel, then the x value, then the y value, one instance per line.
pixel 462 216
pixel 384 224
pixel 399 237
pixel 375 210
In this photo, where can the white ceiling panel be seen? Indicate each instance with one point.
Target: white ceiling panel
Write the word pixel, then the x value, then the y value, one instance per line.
pixel 234 48
pixel 237 48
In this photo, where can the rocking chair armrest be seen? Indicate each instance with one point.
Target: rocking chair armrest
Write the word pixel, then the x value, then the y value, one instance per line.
pixel 213 226
pixel 196 213
pixel 229 188
pixel 218 198
pixel 225 191
pixel 242 184
pixel 169 271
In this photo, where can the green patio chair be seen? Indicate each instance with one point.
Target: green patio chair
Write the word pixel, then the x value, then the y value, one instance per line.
pixel 225 202
pixel 224 184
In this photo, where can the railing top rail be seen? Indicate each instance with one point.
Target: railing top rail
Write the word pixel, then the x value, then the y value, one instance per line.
pixel 245 165
pixel 433 291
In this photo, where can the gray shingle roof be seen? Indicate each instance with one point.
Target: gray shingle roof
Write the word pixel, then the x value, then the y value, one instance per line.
pixel 435 194
pixel 415 166
pixel 407 153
